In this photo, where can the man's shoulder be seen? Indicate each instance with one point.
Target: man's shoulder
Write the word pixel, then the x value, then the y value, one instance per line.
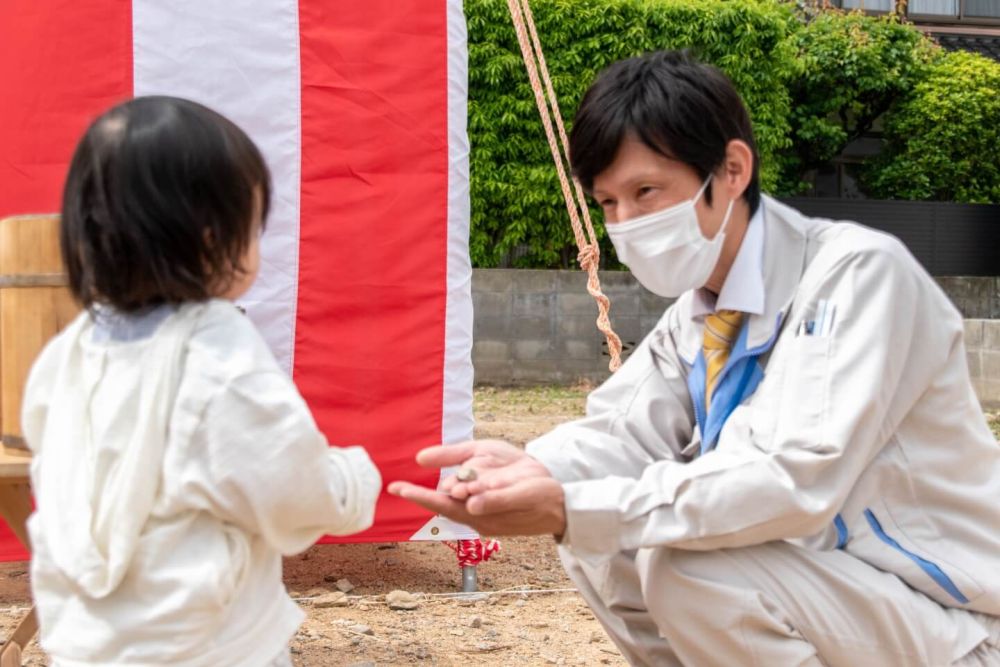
pixel 832 242
pixel 850 246
pixel 845 255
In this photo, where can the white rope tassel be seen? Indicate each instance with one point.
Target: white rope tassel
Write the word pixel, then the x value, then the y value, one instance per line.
pixel 576 204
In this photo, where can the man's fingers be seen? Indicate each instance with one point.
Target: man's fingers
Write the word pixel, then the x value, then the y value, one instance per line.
pixel 447 484
pixel 435 501
pixel 458 490
pixel 504 476
pixel 507 499
pixel 493 480
pixel 531 507
pixel 482 461
pixel 483 453
pixel 442 456
pixel 408 490
pixel 487 479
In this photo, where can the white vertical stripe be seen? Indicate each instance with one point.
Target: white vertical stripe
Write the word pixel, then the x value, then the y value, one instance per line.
pixel 456 422
pixel 241 58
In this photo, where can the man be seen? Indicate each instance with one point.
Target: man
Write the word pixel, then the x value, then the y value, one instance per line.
pixel 792 468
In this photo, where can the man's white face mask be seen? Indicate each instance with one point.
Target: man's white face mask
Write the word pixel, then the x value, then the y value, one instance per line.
pixel 666 250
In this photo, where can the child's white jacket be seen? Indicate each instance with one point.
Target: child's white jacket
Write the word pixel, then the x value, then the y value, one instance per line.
pixel 174 463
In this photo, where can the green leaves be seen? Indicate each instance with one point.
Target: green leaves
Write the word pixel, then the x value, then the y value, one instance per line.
pixel 518 216
pixel 854 67
pixel 942 140
pixel 813 81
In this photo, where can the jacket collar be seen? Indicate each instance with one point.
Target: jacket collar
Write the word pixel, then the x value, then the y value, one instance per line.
pixel 784 263
pixel 785 244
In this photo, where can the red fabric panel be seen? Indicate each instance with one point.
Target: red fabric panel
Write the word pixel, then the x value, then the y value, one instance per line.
pixel 62 63
pixel 370 326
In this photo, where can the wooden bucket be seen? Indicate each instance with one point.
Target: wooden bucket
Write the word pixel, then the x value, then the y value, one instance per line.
pixel 35 304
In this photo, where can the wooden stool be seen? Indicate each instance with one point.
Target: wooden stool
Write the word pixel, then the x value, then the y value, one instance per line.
pixel 15 507
pixel 34 305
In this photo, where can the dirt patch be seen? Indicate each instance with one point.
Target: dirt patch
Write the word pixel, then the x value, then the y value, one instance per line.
pixel 519 415
pixel 548 623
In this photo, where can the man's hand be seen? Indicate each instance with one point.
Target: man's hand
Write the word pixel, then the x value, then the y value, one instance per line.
pixel 497 465
pixel 513 494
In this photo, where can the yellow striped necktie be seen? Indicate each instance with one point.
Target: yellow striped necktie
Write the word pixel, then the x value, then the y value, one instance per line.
pixel 721 329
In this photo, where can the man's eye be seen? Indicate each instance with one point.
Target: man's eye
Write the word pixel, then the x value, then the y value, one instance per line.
pixel 645 191
pixel 605 203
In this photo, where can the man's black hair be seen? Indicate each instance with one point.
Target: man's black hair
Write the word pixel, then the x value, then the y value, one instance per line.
pixel 159 204
pixel 677 106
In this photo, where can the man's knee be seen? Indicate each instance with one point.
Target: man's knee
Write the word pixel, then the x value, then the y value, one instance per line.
pixel 676 583
pixel 612 580
pixel 662 567
pixel 663 582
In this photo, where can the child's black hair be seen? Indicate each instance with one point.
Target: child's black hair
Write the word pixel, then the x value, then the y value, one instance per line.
pixel 159 204
pixel 677 106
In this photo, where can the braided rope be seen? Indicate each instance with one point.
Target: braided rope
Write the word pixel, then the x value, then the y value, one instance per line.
pixel 576 204
pixel 473 552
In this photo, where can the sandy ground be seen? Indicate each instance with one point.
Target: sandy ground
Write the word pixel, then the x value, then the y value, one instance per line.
pixel 548 625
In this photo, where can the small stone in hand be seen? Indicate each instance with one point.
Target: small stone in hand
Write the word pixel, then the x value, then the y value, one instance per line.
pixel 466 475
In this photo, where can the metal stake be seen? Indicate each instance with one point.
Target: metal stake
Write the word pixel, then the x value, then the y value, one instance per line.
pixel 469 582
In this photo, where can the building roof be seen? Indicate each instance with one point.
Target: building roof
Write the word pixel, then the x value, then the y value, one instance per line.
pixel 987 45
pixel 981 44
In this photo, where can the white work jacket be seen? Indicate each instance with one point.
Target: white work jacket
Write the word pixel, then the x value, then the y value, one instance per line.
pixel 857 430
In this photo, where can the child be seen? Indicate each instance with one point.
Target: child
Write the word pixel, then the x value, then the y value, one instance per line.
pixel 174 462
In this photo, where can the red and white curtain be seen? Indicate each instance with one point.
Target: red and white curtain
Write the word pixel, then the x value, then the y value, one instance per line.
pixel 360 110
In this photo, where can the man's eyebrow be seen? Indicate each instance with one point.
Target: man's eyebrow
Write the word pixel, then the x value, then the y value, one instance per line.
pixel 648 175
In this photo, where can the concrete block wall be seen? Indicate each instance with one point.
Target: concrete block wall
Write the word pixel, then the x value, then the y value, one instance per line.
pixel 982 343
pixel 537 327
pixel 977 298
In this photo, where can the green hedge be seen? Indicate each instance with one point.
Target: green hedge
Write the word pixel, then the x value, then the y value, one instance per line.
pixel 812 81
pixel 854 67
pixel 943 139
pixel 516 201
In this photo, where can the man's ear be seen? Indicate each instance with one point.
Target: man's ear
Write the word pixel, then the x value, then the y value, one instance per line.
pixel 737 168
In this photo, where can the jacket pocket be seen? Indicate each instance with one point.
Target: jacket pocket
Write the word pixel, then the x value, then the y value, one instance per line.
pixel 949 581
pixel 804 394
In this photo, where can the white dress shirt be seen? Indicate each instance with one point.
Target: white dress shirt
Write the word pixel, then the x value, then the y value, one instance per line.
pixel 744 286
